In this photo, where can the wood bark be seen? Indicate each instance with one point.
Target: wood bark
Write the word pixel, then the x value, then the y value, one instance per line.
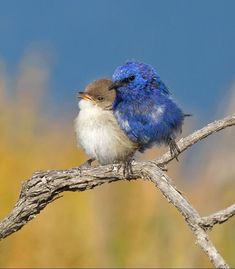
pixel 46 186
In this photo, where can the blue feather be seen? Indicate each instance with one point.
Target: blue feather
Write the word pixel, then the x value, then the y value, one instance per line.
pixel 144 107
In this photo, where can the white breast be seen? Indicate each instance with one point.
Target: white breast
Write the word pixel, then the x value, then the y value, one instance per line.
pixel 99 134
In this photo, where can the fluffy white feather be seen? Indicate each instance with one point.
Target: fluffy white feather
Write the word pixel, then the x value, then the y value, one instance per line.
pixel 99 134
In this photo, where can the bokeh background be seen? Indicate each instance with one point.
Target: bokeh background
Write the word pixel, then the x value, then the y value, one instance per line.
pixel 51 49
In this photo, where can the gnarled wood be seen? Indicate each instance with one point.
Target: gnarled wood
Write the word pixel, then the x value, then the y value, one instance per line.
pixel 45 186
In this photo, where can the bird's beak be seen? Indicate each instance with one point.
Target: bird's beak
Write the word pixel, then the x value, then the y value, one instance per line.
pixel 84 96
pixel 115 85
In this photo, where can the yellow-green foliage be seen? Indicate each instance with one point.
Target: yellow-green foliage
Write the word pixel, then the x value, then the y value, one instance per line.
pixel 124 224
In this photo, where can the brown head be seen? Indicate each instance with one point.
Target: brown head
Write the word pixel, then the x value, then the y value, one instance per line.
pixel 98 93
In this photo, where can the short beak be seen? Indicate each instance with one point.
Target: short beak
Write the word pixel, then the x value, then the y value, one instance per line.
pixel 84 96
pixel 115 85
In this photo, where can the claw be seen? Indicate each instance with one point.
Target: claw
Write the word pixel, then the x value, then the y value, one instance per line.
pixel 174 149
pixel 87 164
pixel 126 165
pixel 127 169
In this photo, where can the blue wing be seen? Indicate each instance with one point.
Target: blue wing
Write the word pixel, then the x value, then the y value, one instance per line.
pixel 152 119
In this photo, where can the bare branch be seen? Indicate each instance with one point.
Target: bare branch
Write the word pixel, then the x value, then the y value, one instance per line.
pixel 218 217
pixel 192 217
pixel 198 135
pixel 45 186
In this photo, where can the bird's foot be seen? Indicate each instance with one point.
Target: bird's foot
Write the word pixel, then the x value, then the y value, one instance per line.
pixel 87 164
pixel 126 167
pixel 174 149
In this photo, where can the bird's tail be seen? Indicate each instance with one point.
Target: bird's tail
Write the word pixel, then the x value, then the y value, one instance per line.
pixel 188 115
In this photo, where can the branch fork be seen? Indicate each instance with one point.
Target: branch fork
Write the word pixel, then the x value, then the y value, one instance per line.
pixel 46 186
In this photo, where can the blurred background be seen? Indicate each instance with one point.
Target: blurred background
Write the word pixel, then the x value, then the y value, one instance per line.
pixel 51 49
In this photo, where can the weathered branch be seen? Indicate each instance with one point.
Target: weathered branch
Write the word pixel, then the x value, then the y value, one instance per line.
pixel 45 186
pixel 190 214
pixel 218 217
pixel 196 136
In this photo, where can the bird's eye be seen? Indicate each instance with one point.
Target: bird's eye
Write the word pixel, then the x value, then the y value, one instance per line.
pixel 131 78
pixel 100 98
pixel 128 79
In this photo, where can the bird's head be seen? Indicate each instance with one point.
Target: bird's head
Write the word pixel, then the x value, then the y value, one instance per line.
pixel 133 76
pixel 97 93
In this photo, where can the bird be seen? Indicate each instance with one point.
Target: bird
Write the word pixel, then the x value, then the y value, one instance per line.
pixel 144 107
pixel 96 127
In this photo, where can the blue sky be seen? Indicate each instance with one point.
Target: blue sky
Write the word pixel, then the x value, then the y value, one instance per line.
pixel 191 44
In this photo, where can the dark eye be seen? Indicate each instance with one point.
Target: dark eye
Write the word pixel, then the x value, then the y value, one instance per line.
pixel 100 98
pixel 128 79
pixel 131 78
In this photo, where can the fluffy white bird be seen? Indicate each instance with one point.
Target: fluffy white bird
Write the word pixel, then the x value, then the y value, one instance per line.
pixel 96 127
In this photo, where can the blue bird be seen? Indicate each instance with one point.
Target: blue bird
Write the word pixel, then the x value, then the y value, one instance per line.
pixel 144 108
